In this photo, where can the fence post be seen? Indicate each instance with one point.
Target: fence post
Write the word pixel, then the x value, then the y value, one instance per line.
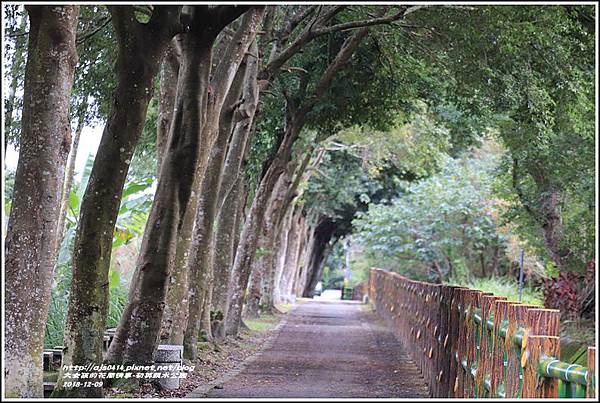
pixel 499 349
pixel 451 340
pixel 461 346
pixel 484 363
pixel 536 349
pixel 591 376
pixel 542 322
pixel 443 350
pixel 437 356
pixel 517 317
pixel 473 298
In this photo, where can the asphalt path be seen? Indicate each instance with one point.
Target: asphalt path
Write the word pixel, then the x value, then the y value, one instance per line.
pixel 328 348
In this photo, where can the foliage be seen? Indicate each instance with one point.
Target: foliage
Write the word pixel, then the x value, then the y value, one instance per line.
pixel 133 214
pixel 530 69
pixel 144 162
pixel 415 146
pixel 9 185
pixel 94 79
pixel 337 184
pixel 507 287
pixel 572 293
pixel 437 225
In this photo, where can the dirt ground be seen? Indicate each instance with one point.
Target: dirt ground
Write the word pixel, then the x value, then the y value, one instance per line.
pixel 330 349
pixel 214 361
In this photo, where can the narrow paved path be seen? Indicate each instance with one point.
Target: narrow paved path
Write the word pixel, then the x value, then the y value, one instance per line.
pixel 329 349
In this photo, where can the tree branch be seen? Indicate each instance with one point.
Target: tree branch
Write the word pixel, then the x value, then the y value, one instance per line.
pixel 166 20
pixel 236 48
pixel 84 37
pixel 225 15
pixel 360 24
pixel 124 21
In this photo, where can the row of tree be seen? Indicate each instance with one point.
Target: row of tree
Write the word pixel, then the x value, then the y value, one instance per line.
pixel 245 97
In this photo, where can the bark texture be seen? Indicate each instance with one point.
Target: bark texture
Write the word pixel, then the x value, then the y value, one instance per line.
pixel 15 71
pixel 138 332
pixel 246 251
pixel 169 73
pixel 69 174
pixel 263 267
pixel 235 123
pixel 136 67
pixel 32 227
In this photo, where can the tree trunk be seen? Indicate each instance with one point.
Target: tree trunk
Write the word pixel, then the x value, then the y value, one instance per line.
pixel 282 247
pixel 257 273
pixel 304 262
pixel 274 227
pixel 15 71
pixel 226 239
pixel 296 242
pixel 136 67
pixel 169 74
pixel 191 134
pixel 32 227
pixel 201 256
pixel 69 177
pixel 201 251
pixel 223 254
pixel 552 227
pixel 293 177
pixel 482 263
pixel 323 233
pixel 246 250
pixel 249 237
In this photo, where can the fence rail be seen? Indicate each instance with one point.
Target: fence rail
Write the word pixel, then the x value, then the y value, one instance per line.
pixel 468 343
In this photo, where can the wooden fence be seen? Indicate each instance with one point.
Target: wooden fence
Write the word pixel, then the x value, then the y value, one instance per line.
pixel 468 343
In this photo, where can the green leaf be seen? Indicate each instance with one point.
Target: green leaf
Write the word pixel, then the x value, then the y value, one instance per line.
pixel 114 279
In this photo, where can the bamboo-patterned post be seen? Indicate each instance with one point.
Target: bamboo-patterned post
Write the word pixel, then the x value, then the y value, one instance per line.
pixel 499 349
pixel 484 365
pixel 463 299
pixel 479 333
pixel 538 348
pixel 446 356
pixel 422 330
pixel 542 322
pixel 437 354
pixel 470 341
pixel 591 375
pixel 512 354
pixel 453 339
pixel 517 316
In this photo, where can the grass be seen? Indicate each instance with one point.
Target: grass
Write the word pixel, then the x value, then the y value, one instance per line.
pixel 262 324
pixel 575 337
pixel 504 287
pixel 50 376
pixel 285 308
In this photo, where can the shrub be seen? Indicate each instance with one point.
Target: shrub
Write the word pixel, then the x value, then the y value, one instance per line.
pixel 507 287
pixel 572 293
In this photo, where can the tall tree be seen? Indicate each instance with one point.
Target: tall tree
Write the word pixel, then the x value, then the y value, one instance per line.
pixel 137 64
pixel 32 227
pixel 194 129
pixel 235 124
pixel 530 70
pixel 16 78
